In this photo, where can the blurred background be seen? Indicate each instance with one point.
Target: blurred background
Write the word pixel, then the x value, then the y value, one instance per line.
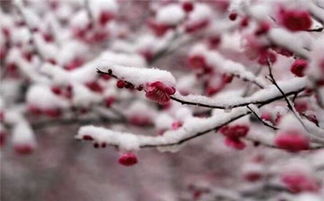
pixel 61 168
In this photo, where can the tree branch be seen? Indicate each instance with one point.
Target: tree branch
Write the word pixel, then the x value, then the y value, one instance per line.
pixel 261 120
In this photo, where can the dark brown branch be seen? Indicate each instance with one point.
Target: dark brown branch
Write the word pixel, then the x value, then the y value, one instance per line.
pixel 261 120
pixel 110 73
pixel 221 107
pixel 290 106
pixel 225 123
pixel 319 29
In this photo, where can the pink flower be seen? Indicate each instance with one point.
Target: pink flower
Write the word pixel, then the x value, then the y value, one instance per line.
pixel 52 112
pixel 109 101
pixel 87 137
pixel 196 26
pixel 299 182
pixel 56 90
pixel 235 132
pixel 104 17
pixel 177 124
pixel 301 106
pixel 252 176
pixel 34 110
pixel 94 86
pixel 74 64
pixel 233 135
pixel 298 67
pixel 120 84
pixel 140 120
pixel 266 56
pixel 214 41
pixel 159 92
pixel 235 143
pixel 159 29
pixel 292 141
pixel 232 16
pixel 197 61
pixel 128 159
pixel 24 149
pixel 267 117
pixel 187 6
pixel 295 20
pixel 263 28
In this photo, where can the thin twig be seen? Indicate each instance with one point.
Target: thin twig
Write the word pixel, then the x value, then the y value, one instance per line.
pixel 261 120
pixel 289 103
pixel 185 102
pixel 197 103
pixel 219 126
pixel 319 29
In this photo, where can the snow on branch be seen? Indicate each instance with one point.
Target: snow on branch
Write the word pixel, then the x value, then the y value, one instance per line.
pixel 219 62
pixel 157 84
pixel 192 127
pixel 139 76
pixel 291 86
pixel 284 39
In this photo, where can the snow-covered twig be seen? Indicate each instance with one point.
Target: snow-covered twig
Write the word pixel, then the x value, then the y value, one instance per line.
pixel 171 138
pixel 261 120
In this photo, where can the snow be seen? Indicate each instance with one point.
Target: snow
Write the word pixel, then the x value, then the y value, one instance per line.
pixel 235 6
pixel 30 71
pixel 260 11
pixel 186 83
pixel 130 141
pixel 47 50
pixel 23 134
pixel 289 122
pixel 284 38
pixel 96 6
pixel 139 107
pixel 171 14
pixel 138 76
pixel 316 59
pixel 308 197
pixel 21 35
pixel 200 13
pixel 123 59
pixel 124 141
pixel 163 121
pixel 88 71
pixel 260 96
pixel 255 109
pixel 69 51
pixel 253 167
pixel 183 113
pixel 83 97
pixel 42 97
pixel 315 10
pixel 31 18
pixel 80 19
pixel 222 64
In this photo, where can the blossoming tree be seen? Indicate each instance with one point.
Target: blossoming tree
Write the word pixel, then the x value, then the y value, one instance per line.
pixel 243 78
